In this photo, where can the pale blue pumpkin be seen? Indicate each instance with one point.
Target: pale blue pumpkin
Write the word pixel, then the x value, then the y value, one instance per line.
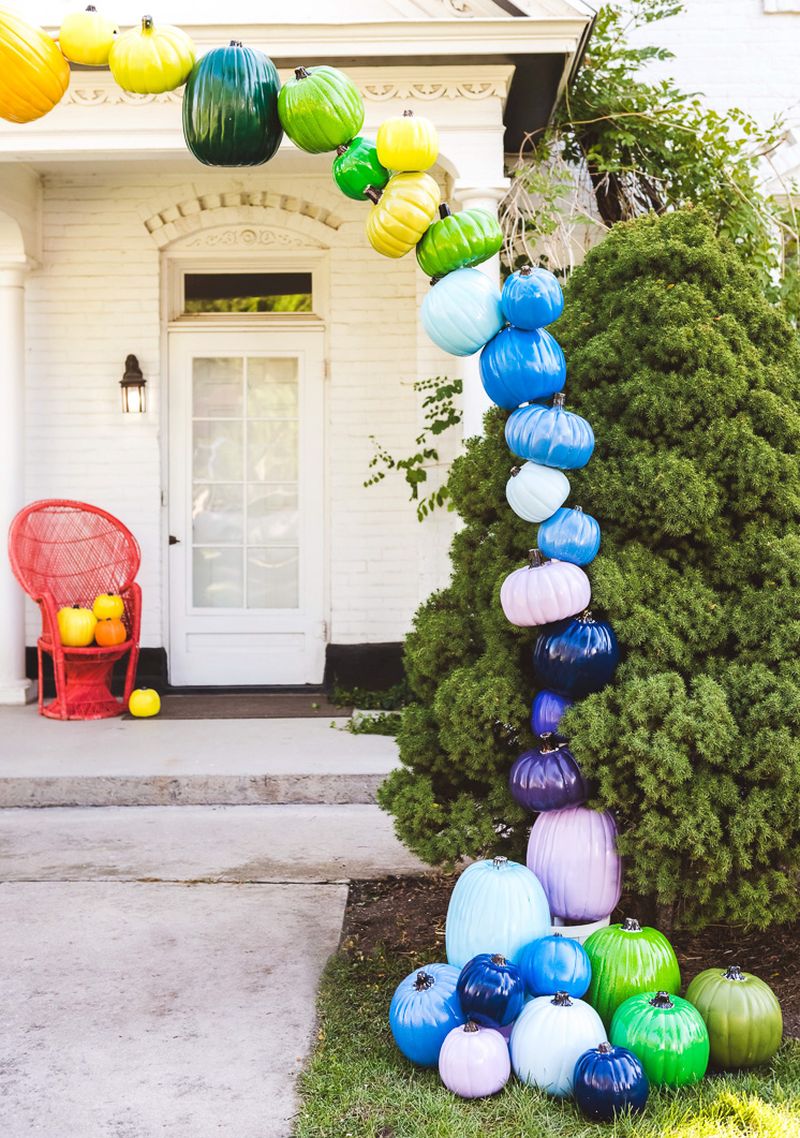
pixel 532 298
pixel 461 312
pixel 550 435
pixel 570 535
pixel 550 1035
pixel 535 492
pixel 519 366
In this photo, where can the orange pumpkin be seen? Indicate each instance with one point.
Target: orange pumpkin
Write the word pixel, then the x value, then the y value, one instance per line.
pixel 110 632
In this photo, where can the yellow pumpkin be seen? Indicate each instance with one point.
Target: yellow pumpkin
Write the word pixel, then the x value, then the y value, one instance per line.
pixel 76 626
pixel 150 60
pixel 407 142
pixel 108 606
pixel 402 213
pixel 33 73
pixel 86 37
pixel 144 702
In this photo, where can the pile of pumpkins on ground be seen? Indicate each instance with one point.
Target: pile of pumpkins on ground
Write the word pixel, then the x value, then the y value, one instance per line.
pixel 599 1021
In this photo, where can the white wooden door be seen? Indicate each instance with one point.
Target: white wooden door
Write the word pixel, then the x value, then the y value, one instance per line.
pixel 246 507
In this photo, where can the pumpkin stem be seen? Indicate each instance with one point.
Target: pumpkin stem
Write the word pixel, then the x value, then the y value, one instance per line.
pixel 147 23
pixel 235 43
pixel 90 8
pixel 498 958
pixel 300 73
pixel 515 471
pixel 631 925
pixel 548 747
pixel 526 270
pixel 76 606
pixel 559 399
pixel 561 1000
pixel 733 972
pixel 586 617
pixel 557 934
pixel 445 210
pixel 535 558
pixel 499 862
pixel 661 1000
pixel 604 1048
pixel 408 114
pixel 423 981
pixel 340 150
pixel 373 194
pixel 471 1026
pixel 578 509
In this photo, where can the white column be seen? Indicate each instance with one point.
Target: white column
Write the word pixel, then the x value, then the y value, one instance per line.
pixel 475 401
pixel 14 687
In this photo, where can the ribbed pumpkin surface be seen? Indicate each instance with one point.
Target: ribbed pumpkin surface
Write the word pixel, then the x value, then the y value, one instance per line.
pixel 321 109
pixel 496 906
pixel 459 241
pixel 405 210
pixel 33 73
pixel 743 1017
pixel 627 963
pixel 671 1043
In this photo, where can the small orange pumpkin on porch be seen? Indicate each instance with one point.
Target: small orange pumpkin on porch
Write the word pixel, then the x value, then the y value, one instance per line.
pixel 109 632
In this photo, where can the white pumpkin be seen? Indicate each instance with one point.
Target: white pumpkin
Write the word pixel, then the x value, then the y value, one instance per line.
pixel 549 1036
pixel 534 492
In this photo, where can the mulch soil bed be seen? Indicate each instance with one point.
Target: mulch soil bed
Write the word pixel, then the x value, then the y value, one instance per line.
pixel 406 916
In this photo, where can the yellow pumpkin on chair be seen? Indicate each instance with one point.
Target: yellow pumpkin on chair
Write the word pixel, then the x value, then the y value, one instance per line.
pixel 76 626
pixel 33 73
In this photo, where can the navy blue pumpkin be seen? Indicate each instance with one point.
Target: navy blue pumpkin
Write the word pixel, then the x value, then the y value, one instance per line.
pixel 519 366
pixel 491 990
pixel 555 963
pixel 576 656
pixel 546 711
pixel 532 298
pixel 547 778
pixel 424 1009
pixel 570 535
pixel 550 435
pixel 609 1080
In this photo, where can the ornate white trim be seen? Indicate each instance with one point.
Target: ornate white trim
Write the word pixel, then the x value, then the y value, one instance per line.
pixel 246 237
pixel 114 96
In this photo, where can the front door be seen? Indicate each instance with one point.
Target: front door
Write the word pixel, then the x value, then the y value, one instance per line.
pixel 246 507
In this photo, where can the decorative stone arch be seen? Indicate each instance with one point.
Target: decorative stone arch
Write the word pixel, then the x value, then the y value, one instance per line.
pixel 247 218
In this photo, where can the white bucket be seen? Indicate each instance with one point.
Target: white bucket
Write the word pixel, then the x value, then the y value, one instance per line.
pixel 579 932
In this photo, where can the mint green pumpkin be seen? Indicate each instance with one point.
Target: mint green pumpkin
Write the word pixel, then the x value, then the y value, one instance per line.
pixel 356 168
pixel 742 1014
pixel 626 960
pixel 320 109
pixel 666 1034
pixel 458 241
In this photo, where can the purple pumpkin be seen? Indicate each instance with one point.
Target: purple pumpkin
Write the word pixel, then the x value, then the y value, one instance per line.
pixel 574 854
pixel 474 1061
pixel 547 778
pixel 544 592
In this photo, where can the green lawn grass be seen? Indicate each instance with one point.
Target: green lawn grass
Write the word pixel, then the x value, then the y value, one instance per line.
pixel 358 1086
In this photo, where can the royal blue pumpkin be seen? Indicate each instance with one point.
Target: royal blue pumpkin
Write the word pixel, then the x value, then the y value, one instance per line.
pixel 491 990
pixel 547 778
pixel 552 436
pixel 424 1008
pixel 609 1080
pixel 576 656
pixel 570 535
pixel 462 311
pixel 547 709
pixel 532 298
pixel 555 963
pixel 519 366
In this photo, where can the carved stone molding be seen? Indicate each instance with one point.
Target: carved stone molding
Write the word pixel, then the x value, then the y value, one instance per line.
pixel 246 237
pixel 114 96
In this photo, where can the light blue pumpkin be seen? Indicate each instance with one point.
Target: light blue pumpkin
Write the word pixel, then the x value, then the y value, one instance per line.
pixel 497 906
pixel 519 366
pixel 570 535
pixel 461 312
pixel 535 492
pixel 550 1035
pixel 555 963
pixel 550 435
pixel 532 298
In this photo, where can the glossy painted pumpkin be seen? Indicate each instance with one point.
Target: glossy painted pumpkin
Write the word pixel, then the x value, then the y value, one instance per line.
pixel 86 37
pixel 107 606
pixel 578 657
pixel 532 298
pixel 321 109
pixel 549 1037
pixel 34 75
pixel 474 1061
pixel 543 592
pixel 423 1011
pixel 574 854
pixel 150 60
pixel 547 778
pixel 462 311
pixel 76 626
pixel 547 710
pixel 535 492
pixel 230 107
pixel 666 1034
pixel 496 906
pixel 458 241
pixel 401 213
pixel 491 990
pixel 570 535
pixel 519 367
pixel 356 168
pixel 550 435
pixel 626 961
pixel 407 142
pixel 742 1015
pixel 144 703
pixel 110 631
pixel 609 1081
pixel 555 963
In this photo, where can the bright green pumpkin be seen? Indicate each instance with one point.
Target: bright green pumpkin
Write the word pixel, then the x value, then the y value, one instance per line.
pixel 320 109
pixel 742 1014
pixel 626 960
pixel 230 107
pixel 357 168
pixel 458 241
pixel 666 1034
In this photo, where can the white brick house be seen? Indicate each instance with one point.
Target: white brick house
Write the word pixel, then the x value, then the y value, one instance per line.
pixel 107 224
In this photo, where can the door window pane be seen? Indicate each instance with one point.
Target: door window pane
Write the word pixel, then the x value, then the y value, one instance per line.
pixel 272 388
pixel 218 577
pixel 247 292
pixel 271 451
pixel 272 577
pixel 217 388
pixel 271 514
pixel 217 451
pixel 217 514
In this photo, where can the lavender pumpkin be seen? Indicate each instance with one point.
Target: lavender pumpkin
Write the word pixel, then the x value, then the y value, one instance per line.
pixel 474 1061
pixel 573 853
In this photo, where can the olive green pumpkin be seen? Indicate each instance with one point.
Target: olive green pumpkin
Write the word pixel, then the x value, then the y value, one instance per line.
pixel 742 1014
pixel 627 959
pixel 666 1034
pixel 356 168
pixel 230 107
pixel 458 241
pixel 320 109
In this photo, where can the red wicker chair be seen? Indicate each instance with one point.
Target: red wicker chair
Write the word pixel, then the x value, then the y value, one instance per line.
pixel 66 553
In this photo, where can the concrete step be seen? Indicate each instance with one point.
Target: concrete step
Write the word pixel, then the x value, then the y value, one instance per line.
pixel 152 762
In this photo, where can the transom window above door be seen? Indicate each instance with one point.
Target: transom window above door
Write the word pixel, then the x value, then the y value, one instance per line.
pixel 247 293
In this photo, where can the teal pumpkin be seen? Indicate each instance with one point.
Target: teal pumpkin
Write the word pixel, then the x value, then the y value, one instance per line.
pixel 666 1034
pixel 742 1014
pixel 627 959
pixel 458 241
pixel 320 109
pixel 230 107
pixel 356 168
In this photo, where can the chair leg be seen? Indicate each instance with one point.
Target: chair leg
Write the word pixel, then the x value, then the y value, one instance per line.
pixel 41 678
pixel 61 684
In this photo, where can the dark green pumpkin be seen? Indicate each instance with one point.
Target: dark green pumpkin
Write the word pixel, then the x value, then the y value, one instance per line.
pixel 666 1034
pixel 230 107
pixel 357 168
pixel 458 241
pixel 627 959
pixel 321 109
pixel 742 1014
